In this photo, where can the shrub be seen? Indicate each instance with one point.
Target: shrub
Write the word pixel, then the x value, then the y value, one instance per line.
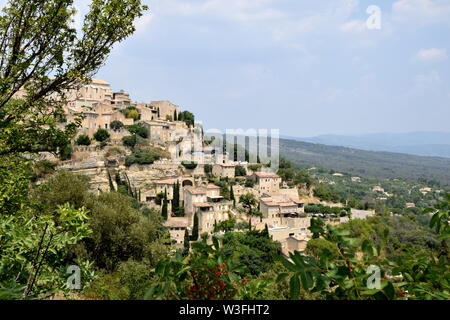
pixel 239 171
pixel 207 168
pixel 187 117
pixel 44 168
pixel 121 233
pixel 129 141
pixel 101 135
pixel 142 157
pixel 116 125
pixel 189 164
pixel 65 152
pixel 255 167
pixel 139 129
pixel 131 113
pixel 83 140
pixel 249 184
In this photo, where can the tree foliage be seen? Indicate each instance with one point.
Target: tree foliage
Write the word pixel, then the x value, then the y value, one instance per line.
pixel 43 56
pixel 83 140
pixel 101 135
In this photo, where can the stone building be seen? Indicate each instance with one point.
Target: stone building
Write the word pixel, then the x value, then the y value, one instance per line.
pixel 166 109
pixel 266 182
pixel 121 99
pixel 224 170
pixel 277 206
pixel 207 204
pixel 177 226
pixel 98 91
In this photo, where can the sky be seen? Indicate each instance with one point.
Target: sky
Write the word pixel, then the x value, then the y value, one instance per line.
pixel 306 67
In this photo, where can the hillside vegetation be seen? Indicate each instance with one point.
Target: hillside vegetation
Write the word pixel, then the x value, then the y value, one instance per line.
pixel 367 163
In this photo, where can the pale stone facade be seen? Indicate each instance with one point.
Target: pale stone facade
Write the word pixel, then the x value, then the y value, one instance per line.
pixel 121 99
pixel 98 91
pixel 166 108
pixel 267 182
pixel 177 226
pixel 224 170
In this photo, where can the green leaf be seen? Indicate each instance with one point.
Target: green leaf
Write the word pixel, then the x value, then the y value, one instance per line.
pixel 288 265
pixel 281 277
pixel 307 280
pixel 294 285
pixel 370 292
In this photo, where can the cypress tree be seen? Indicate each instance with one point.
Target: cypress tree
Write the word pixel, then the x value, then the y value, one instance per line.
pixel 232 195
pixel 175 117
pixel 111 185
pixel 266 231
pixel 186 244
pixel 158 113
pixel 194 236
pixel 174 202
pixel 176 198
pixel 164 207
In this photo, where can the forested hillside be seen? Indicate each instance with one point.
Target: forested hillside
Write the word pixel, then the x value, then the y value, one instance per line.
pixel 367 163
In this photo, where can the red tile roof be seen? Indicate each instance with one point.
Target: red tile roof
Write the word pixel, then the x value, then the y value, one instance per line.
pixel 266 175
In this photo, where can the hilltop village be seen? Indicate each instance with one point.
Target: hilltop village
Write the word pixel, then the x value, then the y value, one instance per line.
pixel 152 151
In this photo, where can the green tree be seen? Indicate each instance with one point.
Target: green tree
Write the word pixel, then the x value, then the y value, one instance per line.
pixel 187 117
pixel 176 199
pixel 186 245
pixel 139 129
pixel 65 152
pixel 116 125
pixel 208 169
pixel 164 209
pixel 129 141
pixel 83 140
pixel 101 135
pixel 132 114
pixel 232 197
pixel 43 56
pixel 194 235
pixel 191 165
pixel 249 202
pixel 240 171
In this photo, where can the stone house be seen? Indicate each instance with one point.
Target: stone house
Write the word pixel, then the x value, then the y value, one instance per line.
pixel 224 170
pixel 266 182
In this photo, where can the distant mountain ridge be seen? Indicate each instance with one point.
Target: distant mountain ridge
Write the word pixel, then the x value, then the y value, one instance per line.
pixel 434 144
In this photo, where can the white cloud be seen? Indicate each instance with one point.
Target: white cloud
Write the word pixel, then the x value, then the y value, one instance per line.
pixel 143 22
pixel 417 12
pixel 239 10
pixel 354 26
pixel 432 54
pixel 431 78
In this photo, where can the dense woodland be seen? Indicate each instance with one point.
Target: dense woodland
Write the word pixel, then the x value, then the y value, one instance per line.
pixel 368 163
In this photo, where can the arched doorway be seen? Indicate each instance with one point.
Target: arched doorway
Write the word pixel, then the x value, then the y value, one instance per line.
pixel 187 183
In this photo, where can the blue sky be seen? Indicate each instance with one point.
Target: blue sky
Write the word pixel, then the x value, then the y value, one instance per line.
pixel 305 67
